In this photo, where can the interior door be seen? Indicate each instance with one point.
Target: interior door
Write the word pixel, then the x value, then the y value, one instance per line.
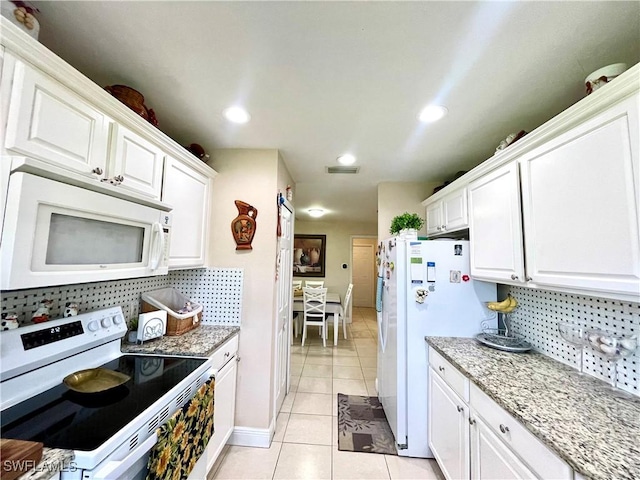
pixel 363 275
pixel 284 305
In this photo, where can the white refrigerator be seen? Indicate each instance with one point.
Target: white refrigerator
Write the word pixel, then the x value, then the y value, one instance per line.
pixel 426 291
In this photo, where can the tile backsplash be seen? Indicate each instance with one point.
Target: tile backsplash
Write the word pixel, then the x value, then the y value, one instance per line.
pixel 219 290
pixel 539 312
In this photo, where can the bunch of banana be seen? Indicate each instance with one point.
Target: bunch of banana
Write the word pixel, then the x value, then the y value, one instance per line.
pixel 508 305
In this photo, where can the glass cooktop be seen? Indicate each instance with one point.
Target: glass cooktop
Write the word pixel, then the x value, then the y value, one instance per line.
pixel 62 418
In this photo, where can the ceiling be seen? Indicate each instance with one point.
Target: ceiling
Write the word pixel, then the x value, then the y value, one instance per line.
pixel 323 78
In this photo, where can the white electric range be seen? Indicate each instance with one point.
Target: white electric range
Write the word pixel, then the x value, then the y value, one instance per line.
pixel 111 432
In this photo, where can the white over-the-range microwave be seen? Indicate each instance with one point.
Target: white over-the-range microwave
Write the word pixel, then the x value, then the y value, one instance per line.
pixel 63 229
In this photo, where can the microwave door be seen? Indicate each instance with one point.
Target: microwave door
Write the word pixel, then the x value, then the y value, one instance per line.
pixel 57 234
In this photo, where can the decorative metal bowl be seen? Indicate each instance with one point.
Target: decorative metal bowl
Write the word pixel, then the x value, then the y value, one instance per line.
pixel 94 380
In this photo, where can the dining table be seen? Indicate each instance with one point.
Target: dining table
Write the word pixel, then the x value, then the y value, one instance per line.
pixel 334 307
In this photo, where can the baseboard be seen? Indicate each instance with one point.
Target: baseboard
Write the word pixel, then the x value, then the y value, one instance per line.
pixel 252 437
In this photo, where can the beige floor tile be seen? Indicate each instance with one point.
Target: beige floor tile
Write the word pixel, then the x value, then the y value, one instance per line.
pixel 364 333
pixel 334 432
pixel 406 468
pixel 295 379
pixel 317 371
pixel 296 370
pixel 312 403
pixel 334 406
pixel 297 348
pixel 315 385
pixel 345 352
pixel 365 342
pixel 312 429
pixel 369 373
pixel 358 327
pixel 288 402
pixel 249 463
pixel 346 362
pixel 368 361
pixel 354 465
pixel 353 373
pixel 371 387
pixel 299 461
pixel 314 359
pixel 298 358
pixel 281 426
pixel 349 387
pixel 320 350
pixel 293 388
pixel 367 351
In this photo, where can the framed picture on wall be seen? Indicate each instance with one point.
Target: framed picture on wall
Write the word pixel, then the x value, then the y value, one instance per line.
pixel 309 255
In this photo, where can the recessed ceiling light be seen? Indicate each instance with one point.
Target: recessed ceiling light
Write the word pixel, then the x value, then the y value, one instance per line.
pixel 316 212
pixel 237 115
pixel 432 113
pixel 346 159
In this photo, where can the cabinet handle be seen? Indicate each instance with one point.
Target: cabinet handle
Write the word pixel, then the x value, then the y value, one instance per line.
pixel 514 277
pixel 441 368
pixel 503 428
pixel 460 409
pixel 444 227
pixel 529 279
pixel 238 358
pixel 97 171
pixel 226 354
pixel 472 421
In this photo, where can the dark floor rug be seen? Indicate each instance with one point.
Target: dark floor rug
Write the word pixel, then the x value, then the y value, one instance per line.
pixel 362 426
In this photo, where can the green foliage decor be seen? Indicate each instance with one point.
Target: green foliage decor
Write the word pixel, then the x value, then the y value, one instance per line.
pixel 406 220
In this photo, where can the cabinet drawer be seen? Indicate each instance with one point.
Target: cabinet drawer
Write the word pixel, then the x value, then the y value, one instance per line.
pixel 224 352
pixel 450 374
pixel 532 451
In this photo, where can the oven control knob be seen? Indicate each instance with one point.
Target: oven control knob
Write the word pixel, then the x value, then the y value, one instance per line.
pixel 93 326
pixel 117 319
pixel 105 322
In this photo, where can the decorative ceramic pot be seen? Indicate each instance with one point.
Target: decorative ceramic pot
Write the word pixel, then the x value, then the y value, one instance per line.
pixel 314 256
pixel 408 233
pixel 243 227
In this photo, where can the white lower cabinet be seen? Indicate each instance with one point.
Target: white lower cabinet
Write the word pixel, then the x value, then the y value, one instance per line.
pixel 490 457
pixel 478 439
pixel 448 428
pixel 224 397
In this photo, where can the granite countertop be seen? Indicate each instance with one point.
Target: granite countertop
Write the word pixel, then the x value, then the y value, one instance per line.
pixel 200 342
pixel 54 460
pixel 596 432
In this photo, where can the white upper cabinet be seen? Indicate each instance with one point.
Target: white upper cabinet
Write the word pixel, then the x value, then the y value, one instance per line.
pixel 580 205
pixel 189 191
pixel 495 226
pixel 48 121
pixel 448 214
pixel 138 160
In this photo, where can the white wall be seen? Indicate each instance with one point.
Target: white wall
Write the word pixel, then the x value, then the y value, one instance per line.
pixel 253 176
pixel 395 198
pixel 338 249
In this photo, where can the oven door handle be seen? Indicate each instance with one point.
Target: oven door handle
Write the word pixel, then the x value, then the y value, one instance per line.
pixel 117 468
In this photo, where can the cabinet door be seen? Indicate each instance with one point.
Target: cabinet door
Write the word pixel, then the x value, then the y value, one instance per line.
pixel 491 458
pixel 448 428
pixel 495 226
pixel 224 411
pixel 454 211
pixel 139 161
pixel 434 218
pixel 48 121
pixel 580 205
pixel 188 191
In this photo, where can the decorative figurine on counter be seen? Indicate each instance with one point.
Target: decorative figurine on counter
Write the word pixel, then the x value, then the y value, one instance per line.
pixel 70 309
pixel 186 309
pixel 42 313
pixel 9 321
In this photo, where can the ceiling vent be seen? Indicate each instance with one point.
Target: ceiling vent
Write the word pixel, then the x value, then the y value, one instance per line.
pixel 343 169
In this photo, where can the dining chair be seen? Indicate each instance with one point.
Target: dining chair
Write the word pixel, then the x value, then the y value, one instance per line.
pixel 315 306
pixel 345 310
pixel 314 283
pixel 296 284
